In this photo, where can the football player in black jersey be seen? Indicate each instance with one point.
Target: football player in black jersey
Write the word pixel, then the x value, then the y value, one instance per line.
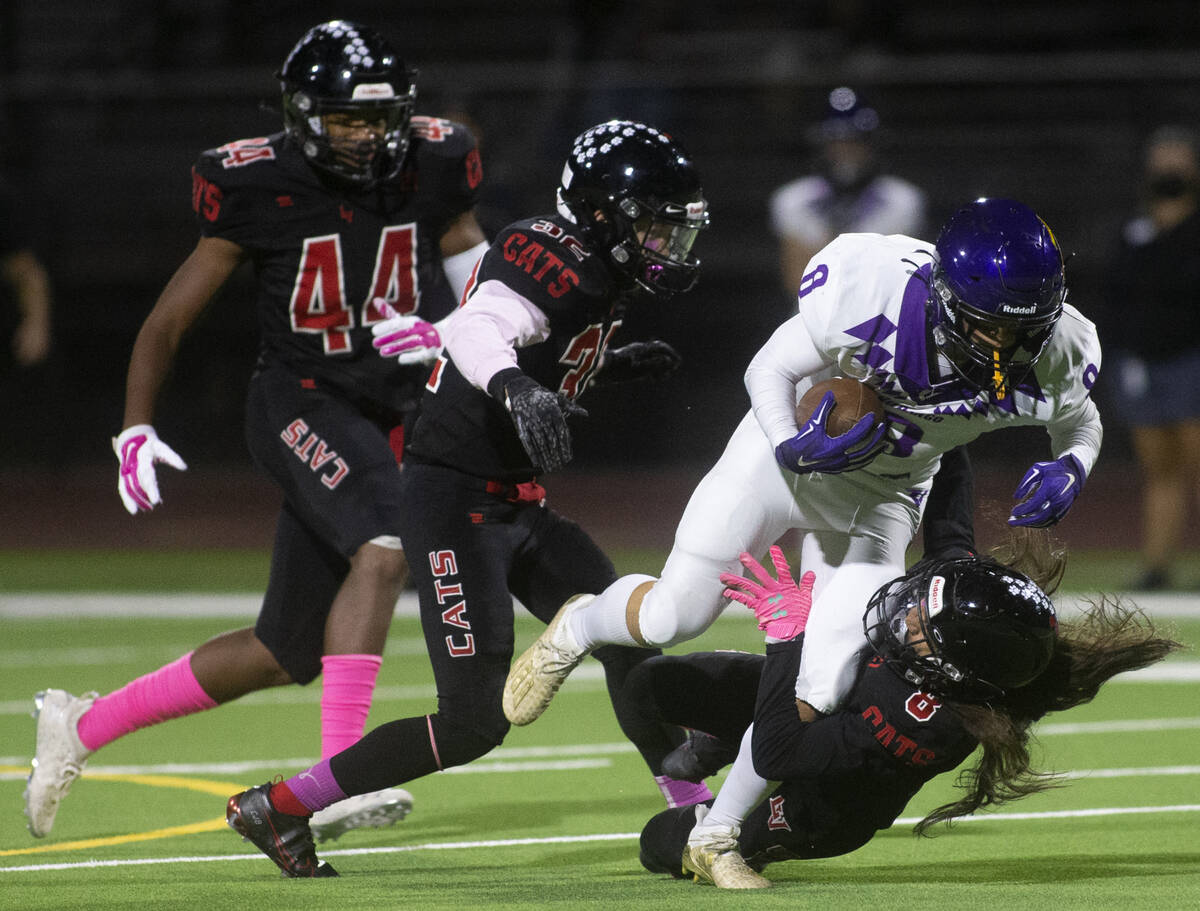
pixel 355 210
pixel 535 330
pixel 959 653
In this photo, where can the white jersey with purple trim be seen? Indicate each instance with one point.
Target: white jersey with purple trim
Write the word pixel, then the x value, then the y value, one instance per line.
pixel 862 313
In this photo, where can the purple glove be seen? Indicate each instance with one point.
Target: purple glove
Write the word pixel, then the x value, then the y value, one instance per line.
pixel 781 606
pixel 1047 491
pixel 409 339
pixel 812 449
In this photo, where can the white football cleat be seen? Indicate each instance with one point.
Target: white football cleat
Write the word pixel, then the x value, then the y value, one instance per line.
pixel 363 811
pixel 536 676
pixel 712 856
pixel 59 756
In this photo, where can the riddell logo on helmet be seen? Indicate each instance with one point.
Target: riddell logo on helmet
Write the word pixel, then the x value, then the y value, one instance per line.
pixel 372 90
pixel 936 585
pixel 1018 311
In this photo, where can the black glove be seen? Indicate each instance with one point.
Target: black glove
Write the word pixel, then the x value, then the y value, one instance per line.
pixel 541 419
pixel 638 360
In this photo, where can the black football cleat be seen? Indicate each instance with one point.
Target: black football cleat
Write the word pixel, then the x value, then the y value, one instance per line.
pixel 286 839
pixel 698 757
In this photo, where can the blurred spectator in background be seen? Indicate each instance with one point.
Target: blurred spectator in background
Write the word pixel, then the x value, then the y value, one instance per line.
pixel 846 193
pixel 1152 324
pixel 27 324
pixel 28 374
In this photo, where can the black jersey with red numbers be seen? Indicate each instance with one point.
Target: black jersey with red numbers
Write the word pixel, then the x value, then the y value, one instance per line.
pixel 866 761
pixel 322 251
pixel 545 262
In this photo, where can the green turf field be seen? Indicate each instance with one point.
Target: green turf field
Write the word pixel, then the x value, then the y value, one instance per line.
pixel 549 819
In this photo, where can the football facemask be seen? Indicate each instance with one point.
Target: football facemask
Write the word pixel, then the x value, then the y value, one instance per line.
pixel 967 629
pixel 662 242
pixel 989 351
pixel 636 196
pixel 356 142
pixel 347 101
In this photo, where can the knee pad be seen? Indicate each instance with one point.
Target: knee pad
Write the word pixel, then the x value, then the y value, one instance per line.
pixel 668 617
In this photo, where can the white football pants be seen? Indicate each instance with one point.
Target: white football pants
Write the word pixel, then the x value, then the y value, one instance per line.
pixel 854 539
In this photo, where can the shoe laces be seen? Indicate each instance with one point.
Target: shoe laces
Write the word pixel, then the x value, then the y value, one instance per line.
pixel 555 659
pixel 717 842
pixel 559 652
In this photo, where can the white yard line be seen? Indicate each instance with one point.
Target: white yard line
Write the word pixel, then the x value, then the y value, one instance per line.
pixel 1116 727
pixel 74 605
pixel 590 676
pixel 502 759
pixel 561 840
pixel 587 677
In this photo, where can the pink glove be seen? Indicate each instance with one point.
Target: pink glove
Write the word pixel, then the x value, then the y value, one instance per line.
pixel 410 339
pixel 781 606
pixel 139 449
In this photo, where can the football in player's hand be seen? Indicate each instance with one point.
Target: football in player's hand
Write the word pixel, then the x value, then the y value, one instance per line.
pixel 852 400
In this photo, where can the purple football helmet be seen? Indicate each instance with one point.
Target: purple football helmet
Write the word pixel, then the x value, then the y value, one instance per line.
pixel 998 291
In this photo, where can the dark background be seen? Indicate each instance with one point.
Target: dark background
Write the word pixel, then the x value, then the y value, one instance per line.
pixel 105 105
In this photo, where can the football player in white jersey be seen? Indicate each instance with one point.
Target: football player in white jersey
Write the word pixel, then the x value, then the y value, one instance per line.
pixel 964 336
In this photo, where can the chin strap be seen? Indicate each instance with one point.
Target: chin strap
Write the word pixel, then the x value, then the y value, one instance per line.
pixel 998 376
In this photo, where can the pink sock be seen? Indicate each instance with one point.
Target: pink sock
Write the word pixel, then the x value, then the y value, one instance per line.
pixel 682 793
pixel 349 682
pixel 169 692
pixel 315 788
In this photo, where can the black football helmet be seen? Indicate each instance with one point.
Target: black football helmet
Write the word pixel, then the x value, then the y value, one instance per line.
pixel 636 197
pixel 968 629
pixel 342 68
pixel 997 292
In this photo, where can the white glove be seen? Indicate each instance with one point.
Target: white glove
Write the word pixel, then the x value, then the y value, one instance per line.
pixel 138 448
pixel 410 339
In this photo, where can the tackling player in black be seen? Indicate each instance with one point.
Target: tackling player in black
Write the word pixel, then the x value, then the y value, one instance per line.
pixel 536 328
pixel 959 653
pixel 356 206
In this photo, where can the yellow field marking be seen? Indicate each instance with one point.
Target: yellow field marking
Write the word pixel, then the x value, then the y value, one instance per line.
pixel 219 788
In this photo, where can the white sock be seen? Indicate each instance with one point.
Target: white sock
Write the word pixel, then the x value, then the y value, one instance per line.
pixel 602 622
pixel 742 791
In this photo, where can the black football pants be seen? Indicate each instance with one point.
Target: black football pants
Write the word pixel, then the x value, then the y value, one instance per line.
pixel 470 552
pixel 716 692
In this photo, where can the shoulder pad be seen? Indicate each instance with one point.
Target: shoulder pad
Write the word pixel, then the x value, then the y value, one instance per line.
pixel 441 138
pixel 243 160
pixel 233 184
pixel 542 260
pixel 444 154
